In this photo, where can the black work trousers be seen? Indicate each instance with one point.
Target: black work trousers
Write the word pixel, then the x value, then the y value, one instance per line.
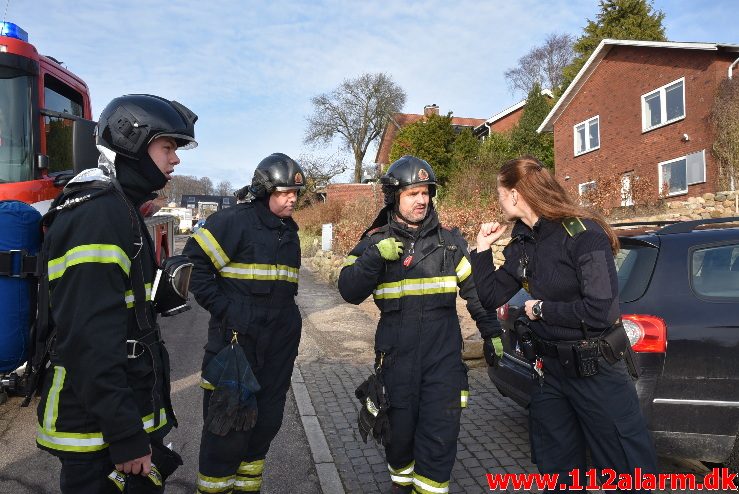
pixel 235 462
pixel 427 385
pixel 601 413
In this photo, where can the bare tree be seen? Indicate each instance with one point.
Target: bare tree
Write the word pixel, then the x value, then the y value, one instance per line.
pixel 542 65
pixel 224 188
pixel 207 185
pixel 319 170
pixel 356 111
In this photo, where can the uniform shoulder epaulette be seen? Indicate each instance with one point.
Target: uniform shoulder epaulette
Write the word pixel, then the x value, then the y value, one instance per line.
pixel 573 226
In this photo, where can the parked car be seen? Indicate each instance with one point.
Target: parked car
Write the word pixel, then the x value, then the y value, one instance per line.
pixel 679 294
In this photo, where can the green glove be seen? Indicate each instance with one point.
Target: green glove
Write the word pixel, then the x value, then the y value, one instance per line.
pixel 498 346
pixel 390 249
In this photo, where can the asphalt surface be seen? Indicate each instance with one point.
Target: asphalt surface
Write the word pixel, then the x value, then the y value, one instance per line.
pixel 318 450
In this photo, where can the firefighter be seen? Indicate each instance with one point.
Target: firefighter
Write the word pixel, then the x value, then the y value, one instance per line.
pixel 246 275
pixel 105 404
pixel 562 254
pixel 413 267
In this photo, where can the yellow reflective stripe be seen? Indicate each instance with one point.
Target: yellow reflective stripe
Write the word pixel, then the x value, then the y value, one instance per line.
pixel 148 421
pixel 416 286
pixel 402 476
pixel 251 468
pixel 52 400
pixel 118 478
pixel 211 247
pixel 425 485
pixel 262 272
pixel 350 260
pixel 205 384
pixel 130 298
pixel 100 253
pixel 464 398
pixel 464 269
pixel 245 484
pixel 215 484
pixel 82 442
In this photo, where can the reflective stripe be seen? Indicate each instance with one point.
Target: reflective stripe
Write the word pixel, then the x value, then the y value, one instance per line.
pixel 215 484
pixel 100 253
pixel 245 484
pixel 130 298
pixel 402 476
pixel 211 247
pixel 464 269
pixel 205 384
pixel 251 468
pixel 262 272
pixel 77 442
pixel 417 286
pixel 350 260
pixel 425 485
pixel 464 398
pixel 52 400
pixel 149 421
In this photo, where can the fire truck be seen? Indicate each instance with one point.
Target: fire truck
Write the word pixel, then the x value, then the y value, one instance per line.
pixel 46 137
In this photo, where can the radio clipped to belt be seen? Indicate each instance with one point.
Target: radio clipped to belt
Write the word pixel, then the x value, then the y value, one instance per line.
pixel 171 283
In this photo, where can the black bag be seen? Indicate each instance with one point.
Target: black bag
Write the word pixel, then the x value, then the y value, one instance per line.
pixel 373 410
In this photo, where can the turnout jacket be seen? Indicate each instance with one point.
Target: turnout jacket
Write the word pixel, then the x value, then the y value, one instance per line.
pixel 573 273
pixel 96 400
pixel 438 266
pixel 243 255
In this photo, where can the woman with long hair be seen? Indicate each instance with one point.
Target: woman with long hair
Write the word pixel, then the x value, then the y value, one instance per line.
pixel 563 255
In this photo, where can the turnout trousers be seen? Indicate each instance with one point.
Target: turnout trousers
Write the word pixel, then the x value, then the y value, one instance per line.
pixel 427 387
pixel 235 462
pixel 600 413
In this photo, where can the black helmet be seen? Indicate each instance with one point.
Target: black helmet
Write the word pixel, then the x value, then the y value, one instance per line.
pixel 277 172
pixel 129 123
pixel 406 171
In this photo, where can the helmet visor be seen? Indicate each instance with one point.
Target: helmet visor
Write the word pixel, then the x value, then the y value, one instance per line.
pixel 183 141
pixel 290 187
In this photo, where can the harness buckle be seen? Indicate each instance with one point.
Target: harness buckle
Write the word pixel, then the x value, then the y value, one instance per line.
pixel 134 348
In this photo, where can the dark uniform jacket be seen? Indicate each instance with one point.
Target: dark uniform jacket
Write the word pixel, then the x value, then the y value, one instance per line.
pixel 418 287
pixel 96 400
pixel 574 275
pixel 244 256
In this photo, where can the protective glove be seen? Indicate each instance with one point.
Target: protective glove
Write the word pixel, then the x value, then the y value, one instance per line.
pixel 373 411
pixel 390 249
pixel 492 349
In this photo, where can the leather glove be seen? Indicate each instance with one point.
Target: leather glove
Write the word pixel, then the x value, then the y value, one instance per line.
pixel 390 249
pixel 492 349
pixel 373 419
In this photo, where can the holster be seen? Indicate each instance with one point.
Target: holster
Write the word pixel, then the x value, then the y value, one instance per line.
pixel 615 345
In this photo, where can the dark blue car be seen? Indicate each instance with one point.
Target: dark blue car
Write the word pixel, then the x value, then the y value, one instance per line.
pixel 679 293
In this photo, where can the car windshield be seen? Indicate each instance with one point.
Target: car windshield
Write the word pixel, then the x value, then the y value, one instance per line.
pixel 15 126
pixel 634 264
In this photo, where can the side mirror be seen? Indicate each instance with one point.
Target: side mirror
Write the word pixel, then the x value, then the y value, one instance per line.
pixel 42 161
pixel 84 153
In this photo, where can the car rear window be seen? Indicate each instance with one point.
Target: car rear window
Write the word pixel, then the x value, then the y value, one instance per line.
pixel 715 271
pixel 634 265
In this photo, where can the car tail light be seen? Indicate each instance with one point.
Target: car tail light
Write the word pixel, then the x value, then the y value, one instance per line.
pixel 503 312
pixel 646 333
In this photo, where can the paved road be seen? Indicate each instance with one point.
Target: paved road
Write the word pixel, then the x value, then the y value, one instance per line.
pixel 335 356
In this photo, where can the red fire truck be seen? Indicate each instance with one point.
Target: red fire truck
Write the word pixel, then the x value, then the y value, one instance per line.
pixel 46 129
pixel 46 137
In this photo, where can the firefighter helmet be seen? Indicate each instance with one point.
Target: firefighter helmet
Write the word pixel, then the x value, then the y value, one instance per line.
pixel 277 172
pixel 129 123
pixel 404 172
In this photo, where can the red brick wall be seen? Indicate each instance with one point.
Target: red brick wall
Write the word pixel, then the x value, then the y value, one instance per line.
pixel 614 93
pixel 508 122
pixel 352 192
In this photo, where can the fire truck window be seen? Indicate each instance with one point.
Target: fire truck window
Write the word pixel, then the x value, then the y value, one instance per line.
pixel 60 98
pixel 16 156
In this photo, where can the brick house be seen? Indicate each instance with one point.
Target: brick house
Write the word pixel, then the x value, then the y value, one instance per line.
pixel 505 120
pixel 400 120
pixel 641 109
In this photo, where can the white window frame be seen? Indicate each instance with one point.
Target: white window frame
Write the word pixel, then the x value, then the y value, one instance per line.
pixel 662 105
pixel 586 123
pixel 661 178
pixel 703 154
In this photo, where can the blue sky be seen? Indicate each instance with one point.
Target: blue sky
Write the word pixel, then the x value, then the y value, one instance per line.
pixel 249 69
